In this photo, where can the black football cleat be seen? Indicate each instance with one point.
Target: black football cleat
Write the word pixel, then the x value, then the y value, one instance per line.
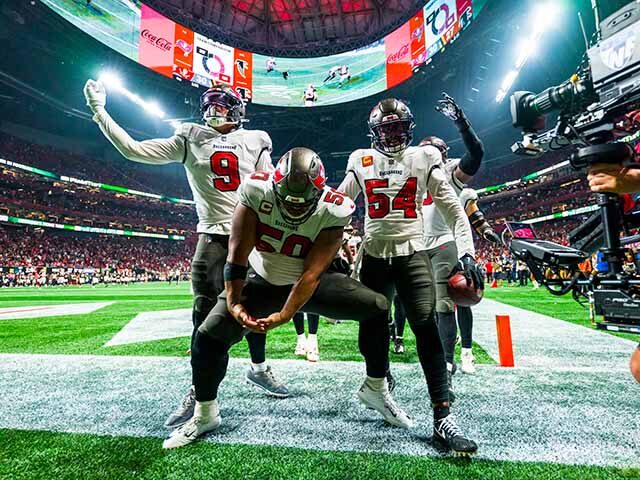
pixel 448 437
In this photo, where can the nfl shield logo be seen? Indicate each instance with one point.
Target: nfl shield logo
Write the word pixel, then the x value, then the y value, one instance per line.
pixel 367 161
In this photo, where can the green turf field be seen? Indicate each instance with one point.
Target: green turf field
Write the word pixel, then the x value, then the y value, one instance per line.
pixel 27 454
pixel 87 334
pixel 44 455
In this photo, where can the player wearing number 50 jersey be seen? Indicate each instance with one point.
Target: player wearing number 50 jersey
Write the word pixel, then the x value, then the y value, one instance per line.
pixel 289 225
pixel 395 178
pixel 216 156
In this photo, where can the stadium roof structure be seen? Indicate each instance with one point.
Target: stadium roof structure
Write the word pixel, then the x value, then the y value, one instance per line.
pixel 291 28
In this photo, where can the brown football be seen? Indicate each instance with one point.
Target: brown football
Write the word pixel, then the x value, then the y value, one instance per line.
pixel 463 294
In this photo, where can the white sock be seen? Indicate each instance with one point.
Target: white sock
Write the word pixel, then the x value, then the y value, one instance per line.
pixel 376 384
pixel 259 367
pixel 302 338
pixel 312 339
pixel 449 367
pixel 466 351
pixel 207 409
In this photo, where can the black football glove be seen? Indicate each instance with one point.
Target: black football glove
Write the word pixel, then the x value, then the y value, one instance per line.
pixel 450 109
pixel 468 267
pixel 491 236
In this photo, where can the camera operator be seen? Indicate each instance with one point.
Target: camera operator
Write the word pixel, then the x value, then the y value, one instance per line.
pixel 615 178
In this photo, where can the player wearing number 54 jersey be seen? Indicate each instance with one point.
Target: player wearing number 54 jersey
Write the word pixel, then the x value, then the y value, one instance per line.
pixel 217 156
pixel 395 178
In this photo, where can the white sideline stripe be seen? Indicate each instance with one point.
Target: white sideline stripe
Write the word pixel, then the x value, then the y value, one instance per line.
pixel 37 311
pixel 158 325
pixel 542 341
pixel 531 414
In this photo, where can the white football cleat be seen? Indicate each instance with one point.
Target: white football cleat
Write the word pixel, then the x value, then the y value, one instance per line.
pixel 196 426
pixel 313 354
pixel 382 401
pixel 301 346
pixel 467 361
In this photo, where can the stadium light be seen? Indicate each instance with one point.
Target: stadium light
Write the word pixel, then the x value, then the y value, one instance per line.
pixel 112 81
pixel 544 16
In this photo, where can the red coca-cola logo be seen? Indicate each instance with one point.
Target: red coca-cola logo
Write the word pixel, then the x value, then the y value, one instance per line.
pixel 160 42
pixel 399 55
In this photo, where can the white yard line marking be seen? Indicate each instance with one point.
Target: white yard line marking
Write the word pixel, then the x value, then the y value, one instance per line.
pixel 11 313
pixel 158 325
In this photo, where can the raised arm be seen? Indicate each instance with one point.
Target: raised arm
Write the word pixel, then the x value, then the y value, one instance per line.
pixel 157 151
pixel 322 252
pixel 470 162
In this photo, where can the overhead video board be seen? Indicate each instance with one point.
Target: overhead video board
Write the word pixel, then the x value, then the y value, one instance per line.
pixel 170 49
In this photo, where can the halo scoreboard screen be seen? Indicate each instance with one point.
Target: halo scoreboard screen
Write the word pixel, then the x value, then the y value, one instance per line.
pixel 137 31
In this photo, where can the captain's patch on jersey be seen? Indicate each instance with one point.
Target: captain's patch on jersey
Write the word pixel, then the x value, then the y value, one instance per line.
pixel 266 207
pixel 367 161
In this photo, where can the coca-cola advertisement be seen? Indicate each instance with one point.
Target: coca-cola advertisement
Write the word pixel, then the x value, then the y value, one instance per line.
pixel 157 36
pixel 398 50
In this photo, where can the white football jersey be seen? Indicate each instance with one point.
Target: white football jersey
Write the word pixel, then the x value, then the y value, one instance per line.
pixel 216 165
pixel 394 188
pixel 436 230
pixel 281 248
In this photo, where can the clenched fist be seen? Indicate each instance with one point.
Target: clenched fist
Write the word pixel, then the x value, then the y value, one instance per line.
pixel 95 94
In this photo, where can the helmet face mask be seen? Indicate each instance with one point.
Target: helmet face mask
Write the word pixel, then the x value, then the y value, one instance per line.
pixel 221 106
pixel 298 184
pixel 391 126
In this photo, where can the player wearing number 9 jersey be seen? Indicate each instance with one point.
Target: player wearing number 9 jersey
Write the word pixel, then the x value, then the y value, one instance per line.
pixel 395 178
pixel 217 156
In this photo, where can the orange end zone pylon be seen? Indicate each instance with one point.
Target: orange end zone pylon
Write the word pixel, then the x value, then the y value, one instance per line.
pixel 494 284
pixel 505 344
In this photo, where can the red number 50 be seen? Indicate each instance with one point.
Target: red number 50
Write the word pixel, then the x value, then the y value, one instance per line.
pixel 225 164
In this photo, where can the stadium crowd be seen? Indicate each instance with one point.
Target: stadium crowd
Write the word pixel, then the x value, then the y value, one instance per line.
pixel 29 195
pixel 122 173
pixel 40 257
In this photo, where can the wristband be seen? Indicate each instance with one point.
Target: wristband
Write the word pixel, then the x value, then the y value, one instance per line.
pixel 233 271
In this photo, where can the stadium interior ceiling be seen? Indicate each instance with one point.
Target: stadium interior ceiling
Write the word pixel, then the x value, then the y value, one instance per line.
pixel 50 60
pixel 291 28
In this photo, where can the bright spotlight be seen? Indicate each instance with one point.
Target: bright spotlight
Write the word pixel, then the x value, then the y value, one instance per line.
pixel 509 79
pixel 111 80
pixel 154 109
pixel 525 51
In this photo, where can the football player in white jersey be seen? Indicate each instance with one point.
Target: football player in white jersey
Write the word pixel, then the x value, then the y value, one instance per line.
pixel 216 156
pixel 394 178
pixel 288 226
pixel 441 242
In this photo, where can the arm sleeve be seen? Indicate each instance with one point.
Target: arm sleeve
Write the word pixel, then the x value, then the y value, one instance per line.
pixel 157 151
pixel 350 184
pixel 449 206
pixel 470 162
pixel 264 163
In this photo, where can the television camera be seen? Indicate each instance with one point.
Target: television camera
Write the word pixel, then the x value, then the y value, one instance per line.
pixel 593 114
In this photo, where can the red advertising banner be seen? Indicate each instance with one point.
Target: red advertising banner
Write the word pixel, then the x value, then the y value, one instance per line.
pixel 243 73
pixel 156 41
pixel 183 54
pixel 418 48
pixel 398 50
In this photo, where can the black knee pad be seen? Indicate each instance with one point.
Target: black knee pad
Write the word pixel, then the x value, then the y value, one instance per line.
pixel 205 350
pixel 201 307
